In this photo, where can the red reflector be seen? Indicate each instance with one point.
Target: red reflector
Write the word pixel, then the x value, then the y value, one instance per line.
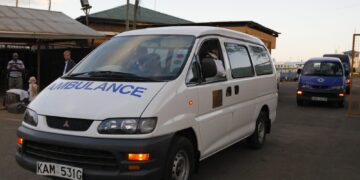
pixel 133 167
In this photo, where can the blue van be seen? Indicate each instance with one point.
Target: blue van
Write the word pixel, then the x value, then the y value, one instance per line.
pixel 346 60
pixel 323 80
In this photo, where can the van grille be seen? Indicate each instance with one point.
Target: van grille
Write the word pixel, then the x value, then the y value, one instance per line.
pixel 68 123
pixel 71 156
pixel 313 94
pixel 320 87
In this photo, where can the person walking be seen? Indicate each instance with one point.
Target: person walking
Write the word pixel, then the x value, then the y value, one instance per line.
pixel 33 88
pixel 15 69
pixel 69 63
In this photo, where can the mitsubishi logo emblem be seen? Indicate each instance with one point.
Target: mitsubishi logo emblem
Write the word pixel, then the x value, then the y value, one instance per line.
pixel 321 80
pixel 66 124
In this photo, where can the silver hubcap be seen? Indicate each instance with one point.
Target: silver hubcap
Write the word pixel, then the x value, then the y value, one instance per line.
pixel 180 168
pixel 261 132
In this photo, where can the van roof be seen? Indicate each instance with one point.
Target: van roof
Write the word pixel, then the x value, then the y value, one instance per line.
pixel 326 59
pixel 335 55
pixel 196 31
pixel 343 57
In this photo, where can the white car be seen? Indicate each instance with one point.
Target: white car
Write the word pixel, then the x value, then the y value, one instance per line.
pixel 150 104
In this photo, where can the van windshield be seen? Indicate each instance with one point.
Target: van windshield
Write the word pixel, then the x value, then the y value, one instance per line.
pixel 322 69
pixel 136 58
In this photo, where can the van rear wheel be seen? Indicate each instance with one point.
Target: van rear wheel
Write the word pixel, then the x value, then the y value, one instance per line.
pixel 257 139
pixel 181 160
pixel 341 104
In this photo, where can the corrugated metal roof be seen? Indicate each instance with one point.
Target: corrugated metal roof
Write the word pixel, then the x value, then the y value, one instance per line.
pixel 250 24
pixel 144 15
pixel 41 24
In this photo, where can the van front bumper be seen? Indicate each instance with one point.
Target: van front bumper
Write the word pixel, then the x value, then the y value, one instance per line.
pixel 98 157
pixel 314 94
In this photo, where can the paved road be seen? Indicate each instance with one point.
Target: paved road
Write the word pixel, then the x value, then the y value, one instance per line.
pixel 313 142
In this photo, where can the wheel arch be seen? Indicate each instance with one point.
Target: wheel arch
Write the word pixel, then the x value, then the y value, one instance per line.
pixel 190 134
pixel 265 109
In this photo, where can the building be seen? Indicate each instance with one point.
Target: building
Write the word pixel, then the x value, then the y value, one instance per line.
pixel 356 60
pixel 288 70
pixel 40 37
pixel 111 22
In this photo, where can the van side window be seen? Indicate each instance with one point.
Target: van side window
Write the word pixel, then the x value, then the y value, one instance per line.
pixel 261 60
pixel 212 61
pixel 240 62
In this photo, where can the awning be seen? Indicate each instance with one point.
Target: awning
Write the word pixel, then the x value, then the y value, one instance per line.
pixel 24 23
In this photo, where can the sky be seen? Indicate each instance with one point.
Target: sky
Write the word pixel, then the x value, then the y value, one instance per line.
pixel 309 28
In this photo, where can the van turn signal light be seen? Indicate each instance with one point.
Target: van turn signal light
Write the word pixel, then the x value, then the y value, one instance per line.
pixel 20 141
pixel 138 157
pixel 190 102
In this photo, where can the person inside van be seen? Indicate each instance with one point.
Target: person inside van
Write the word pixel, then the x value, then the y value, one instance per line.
pixel 149 64
pixel 219 64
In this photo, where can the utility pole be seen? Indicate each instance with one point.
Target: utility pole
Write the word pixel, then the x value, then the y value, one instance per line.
pixel 86 8
pixel 17 3
pixel 49 5
pixel 127 15
pixel 136 8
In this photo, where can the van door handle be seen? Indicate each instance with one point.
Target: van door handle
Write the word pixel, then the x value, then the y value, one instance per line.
pixel 236 90
pixel 228 91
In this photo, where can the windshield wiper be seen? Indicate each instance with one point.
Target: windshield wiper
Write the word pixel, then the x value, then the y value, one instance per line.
pixel 77 74
pixel 113 74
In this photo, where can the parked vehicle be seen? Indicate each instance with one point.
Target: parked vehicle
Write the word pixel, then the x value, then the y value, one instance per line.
pixel 322 79
pixel 346 60
pixel 151 104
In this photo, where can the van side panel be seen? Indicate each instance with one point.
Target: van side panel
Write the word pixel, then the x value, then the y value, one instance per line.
pixel 243 96
pixel 176 107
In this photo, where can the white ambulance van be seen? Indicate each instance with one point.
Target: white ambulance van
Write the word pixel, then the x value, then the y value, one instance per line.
pixel 151 104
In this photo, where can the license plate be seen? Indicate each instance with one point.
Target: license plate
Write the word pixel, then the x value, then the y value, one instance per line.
pixel 324 99
pixel 59 170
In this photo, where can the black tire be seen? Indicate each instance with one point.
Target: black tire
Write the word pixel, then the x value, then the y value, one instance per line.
pixel 257 139
pixel 299 102
pixel 348 90
pixel 180 150
pixel 341 104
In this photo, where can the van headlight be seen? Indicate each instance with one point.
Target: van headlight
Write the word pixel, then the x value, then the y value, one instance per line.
pixel 31 117
pixel 127 126
pixel 305 86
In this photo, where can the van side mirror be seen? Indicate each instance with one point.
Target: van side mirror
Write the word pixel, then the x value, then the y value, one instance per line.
pixel 208 68
pixel 299 71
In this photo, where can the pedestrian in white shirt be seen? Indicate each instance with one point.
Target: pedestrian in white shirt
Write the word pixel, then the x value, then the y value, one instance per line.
pixel 15 69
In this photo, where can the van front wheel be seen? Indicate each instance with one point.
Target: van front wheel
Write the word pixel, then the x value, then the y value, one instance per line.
pixel 180 162
pixel 341 104
pixel 257 139
pixel 299 102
